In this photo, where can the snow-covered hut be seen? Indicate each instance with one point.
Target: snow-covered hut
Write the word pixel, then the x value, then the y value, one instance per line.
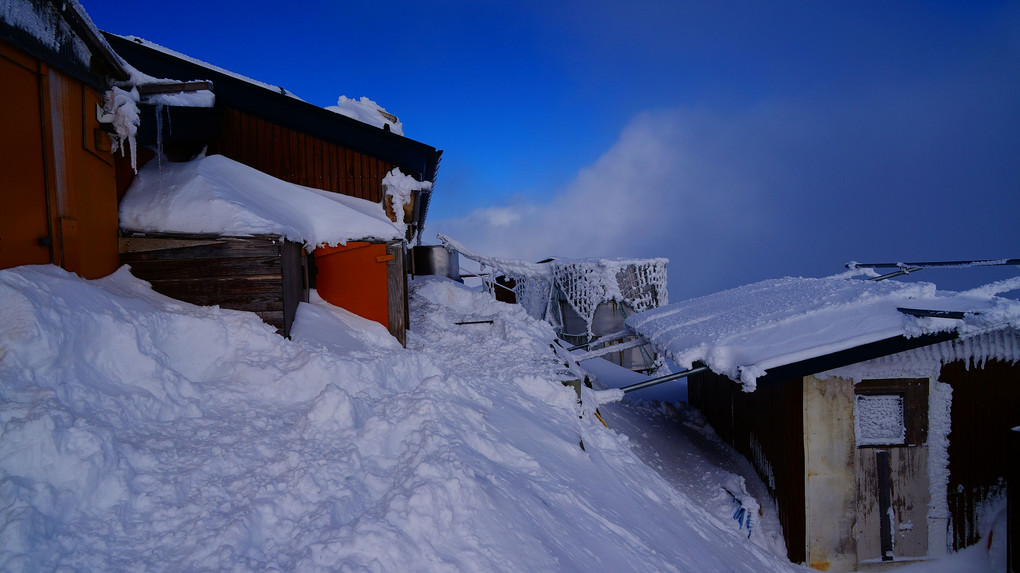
pixel 876 412
pixel 215 231
pixel 270 129
pixel 334 151
pixel 57 181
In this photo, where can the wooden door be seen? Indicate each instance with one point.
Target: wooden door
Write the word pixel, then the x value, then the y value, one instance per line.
pixel 354 277
pixel 25 236
pixel 891 419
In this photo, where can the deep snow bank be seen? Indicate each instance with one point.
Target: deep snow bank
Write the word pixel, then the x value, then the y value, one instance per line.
pixel 143 433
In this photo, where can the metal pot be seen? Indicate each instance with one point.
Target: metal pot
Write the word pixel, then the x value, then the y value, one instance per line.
pixel 435 260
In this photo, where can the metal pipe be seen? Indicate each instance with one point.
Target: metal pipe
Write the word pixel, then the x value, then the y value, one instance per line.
pixel 603 339
pixel 925 313
pixel 664 379
pixel 902 271
pixel 937 264
pixel 609 349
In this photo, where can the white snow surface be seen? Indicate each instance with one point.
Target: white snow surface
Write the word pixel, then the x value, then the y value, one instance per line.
pixel 218 195
pixel 742 332
pixel 144 433
pixel 367 111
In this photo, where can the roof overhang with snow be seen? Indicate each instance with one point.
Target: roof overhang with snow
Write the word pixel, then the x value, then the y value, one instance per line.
pixel 61 33
pixel 787 328
pixel 279 106
pixel 217 195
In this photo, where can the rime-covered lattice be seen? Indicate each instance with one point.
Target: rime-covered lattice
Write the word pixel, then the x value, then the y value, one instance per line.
pixel 584 284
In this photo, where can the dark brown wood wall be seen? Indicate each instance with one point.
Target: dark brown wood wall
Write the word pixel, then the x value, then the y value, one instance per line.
pixel 256 274
pixel 986 404
pixel 767 427
pixel 299 158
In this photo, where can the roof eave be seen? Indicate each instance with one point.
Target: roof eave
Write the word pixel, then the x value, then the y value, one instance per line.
pixel 850 356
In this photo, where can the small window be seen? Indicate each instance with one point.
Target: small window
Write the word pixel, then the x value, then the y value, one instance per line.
pixel 891 412
pixel 879 420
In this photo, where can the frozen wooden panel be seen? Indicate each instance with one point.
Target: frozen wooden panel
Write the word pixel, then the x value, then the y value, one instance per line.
pixel 909 502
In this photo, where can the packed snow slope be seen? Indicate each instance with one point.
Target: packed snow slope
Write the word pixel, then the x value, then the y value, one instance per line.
pixel 143 433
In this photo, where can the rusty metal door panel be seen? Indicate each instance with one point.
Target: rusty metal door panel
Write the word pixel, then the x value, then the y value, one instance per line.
pixel 24 224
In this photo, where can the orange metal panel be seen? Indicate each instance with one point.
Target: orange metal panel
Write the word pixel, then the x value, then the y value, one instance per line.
pixel 354 277
pixel 24 224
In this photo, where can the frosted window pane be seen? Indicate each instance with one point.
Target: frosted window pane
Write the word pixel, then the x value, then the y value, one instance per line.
pixel 879 420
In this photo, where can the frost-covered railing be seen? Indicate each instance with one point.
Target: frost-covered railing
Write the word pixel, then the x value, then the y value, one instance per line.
pixel 583 283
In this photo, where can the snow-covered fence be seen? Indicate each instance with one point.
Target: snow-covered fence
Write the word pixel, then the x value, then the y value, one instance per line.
pixel 583 299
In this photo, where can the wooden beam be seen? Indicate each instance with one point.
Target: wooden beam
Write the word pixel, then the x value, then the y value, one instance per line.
pixel 174 87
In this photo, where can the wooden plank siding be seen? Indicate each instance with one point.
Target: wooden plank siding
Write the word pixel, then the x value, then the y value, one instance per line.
pixel 986 404
pixel 766 426
pixel 57 179
pixel 264 275
pixel 299 158
pixel 396 292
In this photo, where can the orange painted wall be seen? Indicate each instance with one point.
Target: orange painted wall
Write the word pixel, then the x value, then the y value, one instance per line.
pixel 55 159
pixel 24 222
pixel 353 277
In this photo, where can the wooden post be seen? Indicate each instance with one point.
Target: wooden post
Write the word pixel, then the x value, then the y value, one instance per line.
pixel 1013 501
pixel 884 504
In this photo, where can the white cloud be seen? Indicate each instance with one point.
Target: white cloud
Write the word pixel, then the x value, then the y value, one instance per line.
pixel 658 191
pixel 924 172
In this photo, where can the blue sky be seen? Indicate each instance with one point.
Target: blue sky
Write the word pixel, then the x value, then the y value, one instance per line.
pixel 743 140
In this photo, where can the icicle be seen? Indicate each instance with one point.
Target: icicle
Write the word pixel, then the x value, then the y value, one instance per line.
pixel 120 109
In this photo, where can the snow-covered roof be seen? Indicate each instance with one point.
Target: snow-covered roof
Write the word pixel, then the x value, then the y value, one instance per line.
pixel 215 194
pixel 744 332
pixel 363 110
pixel 142 78
pixel 367 111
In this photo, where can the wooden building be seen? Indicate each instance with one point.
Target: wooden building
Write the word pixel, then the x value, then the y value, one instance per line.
pixel 57 177
pixel 265 275
pixel 799 435
pixel 271 130
pixel 879 434
pixel 268 129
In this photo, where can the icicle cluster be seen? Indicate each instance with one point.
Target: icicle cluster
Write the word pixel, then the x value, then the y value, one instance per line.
pixel 120 108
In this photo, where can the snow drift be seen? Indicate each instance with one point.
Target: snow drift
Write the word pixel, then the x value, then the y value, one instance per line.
pixel 143 433
pixel 218 195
